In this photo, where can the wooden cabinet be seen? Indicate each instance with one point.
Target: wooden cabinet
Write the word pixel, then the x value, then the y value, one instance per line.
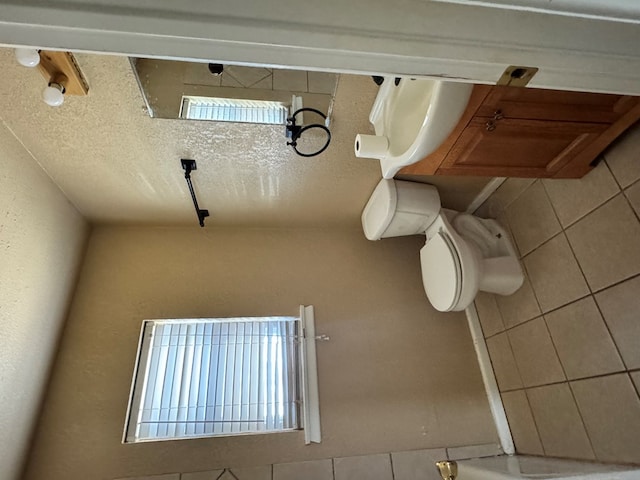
pixel 523 132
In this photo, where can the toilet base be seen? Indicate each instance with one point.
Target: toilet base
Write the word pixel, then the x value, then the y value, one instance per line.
pixel 501 272
pixel 501 275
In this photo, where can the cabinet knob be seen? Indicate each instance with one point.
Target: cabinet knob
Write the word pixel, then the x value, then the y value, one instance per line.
pixel 498 115
pixel 490 126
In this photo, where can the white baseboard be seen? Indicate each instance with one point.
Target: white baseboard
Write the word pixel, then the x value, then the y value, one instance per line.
pixel 485 193
pixel 490 384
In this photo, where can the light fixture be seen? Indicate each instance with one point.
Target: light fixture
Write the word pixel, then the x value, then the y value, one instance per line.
pixel 216 69
pixel 28 57
pixel 60 70
pixel 53 94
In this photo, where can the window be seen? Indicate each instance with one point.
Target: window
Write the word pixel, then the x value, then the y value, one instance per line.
pixel 233 110
pixel 223 376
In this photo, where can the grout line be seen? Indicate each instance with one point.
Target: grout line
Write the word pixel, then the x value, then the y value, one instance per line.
pixel 624 193
pixel 575 257
pixel 584 424
pixel 591 290
pixel 580 379
pixel 633 384
pixel 528 320
pixel 553 208
pixel 542 314
pixel 615 284
pixel 509 390
pixel 533 290
pixel 515 361
pixel 564 227
pixel 504 208
pixel 606 325
pixel 522 257
pixel 486 337
pixel 555 215
pixel 553 345
pixel 555 348
pixel 393 473
pixel 333 468
pixel 606 162
pixel 535 423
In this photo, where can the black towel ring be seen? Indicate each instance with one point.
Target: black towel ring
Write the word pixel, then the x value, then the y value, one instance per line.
pixel 294 132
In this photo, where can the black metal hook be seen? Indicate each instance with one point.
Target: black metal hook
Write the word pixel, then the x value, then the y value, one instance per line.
pixel 188 166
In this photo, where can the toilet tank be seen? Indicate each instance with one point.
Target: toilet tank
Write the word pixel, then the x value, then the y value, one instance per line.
pixel 397 208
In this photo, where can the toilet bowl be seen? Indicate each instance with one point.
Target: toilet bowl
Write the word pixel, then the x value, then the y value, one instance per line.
pixel 462 253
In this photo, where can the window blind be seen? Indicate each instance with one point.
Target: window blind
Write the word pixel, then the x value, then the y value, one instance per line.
pixel 233 110
pixel 215 377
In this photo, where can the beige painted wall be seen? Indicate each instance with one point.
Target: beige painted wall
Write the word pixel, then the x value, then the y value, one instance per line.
pixel 396 375
pixel 41 242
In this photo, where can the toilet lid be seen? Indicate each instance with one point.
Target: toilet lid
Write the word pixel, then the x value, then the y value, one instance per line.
pixel 441 272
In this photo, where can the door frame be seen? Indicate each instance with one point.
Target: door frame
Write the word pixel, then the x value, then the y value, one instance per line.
pixel 416 38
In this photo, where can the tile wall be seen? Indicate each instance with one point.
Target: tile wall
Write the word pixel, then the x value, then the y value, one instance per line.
pixel 408 465
pixel 262 78
pixel 565 348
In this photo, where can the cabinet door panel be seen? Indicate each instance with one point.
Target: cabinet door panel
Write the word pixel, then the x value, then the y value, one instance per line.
pixel 525 148
pixel 539 104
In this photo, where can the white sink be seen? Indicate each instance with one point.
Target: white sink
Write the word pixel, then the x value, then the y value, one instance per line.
pixel 411 120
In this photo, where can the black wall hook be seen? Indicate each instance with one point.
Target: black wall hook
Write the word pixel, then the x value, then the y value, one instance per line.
pixel 188 166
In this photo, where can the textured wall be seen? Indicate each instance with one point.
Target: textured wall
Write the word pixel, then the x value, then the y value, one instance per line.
pixel 396 375
pixel 41 242
pixel 118 165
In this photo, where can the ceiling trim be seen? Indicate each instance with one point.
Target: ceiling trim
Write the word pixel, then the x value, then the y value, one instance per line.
pixel 413 37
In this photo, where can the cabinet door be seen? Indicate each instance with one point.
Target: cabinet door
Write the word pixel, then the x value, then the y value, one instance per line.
pixel 540 104
pixel 517 148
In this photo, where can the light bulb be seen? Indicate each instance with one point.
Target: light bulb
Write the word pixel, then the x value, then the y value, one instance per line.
pixel 29 57
pixel 53 95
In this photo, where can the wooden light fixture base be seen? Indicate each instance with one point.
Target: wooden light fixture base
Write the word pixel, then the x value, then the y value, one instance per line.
pixel 56 65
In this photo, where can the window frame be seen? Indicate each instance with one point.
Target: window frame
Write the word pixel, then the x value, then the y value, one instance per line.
pixel 307 380
pixel 261 112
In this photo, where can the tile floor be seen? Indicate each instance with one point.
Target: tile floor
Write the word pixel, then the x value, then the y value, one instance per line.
pixel 407 465
pixel 566 347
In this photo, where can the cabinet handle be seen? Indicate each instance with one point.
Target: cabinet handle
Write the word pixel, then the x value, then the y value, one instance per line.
pixel 497 115
pixel 490 126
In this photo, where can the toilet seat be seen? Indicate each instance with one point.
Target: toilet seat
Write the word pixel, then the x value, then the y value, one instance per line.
pixel 451 271
pixel 443 279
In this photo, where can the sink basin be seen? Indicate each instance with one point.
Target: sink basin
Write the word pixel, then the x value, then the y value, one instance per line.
pixel 411 120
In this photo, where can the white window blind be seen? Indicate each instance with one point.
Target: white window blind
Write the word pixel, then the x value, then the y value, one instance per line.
pixel 208 377
pixel 233 110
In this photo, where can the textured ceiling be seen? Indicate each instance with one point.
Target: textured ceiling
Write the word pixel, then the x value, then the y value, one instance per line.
pixel 115 164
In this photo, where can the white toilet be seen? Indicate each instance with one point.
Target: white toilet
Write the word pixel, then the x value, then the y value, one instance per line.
pixel 462 254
